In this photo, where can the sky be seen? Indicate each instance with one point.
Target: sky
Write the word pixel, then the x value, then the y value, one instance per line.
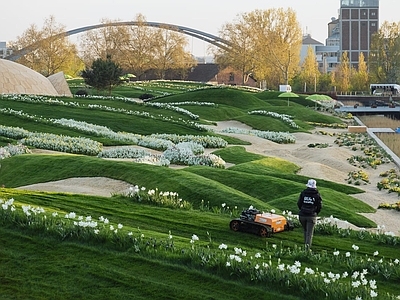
pixel 204 15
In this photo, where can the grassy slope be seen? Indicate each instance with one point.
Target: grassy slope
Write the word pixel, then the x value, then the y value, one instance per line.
pixel 250 182
pixel 215 186
pixel 98 273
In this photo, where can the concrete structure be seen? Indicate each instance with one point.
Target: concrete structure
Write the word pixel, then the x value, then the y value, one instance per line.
pixel 369 110
pixel 60 84
pixel 4 51
pixel 329 56
pixel 371 132
pixel 359 20
pixel 18 79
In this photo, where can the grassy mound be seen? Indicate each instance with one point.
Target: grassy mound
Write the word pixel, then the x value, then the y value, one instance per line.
pixel 153 251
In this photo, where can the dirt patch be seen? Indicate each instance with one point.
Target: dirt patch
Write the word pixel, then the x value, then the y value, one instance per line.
pixel 97 186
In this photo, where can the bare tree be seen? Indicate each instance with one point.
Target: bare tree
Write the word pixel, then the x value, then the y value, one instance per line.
pixel 103 42
pixel 239 34
pixel 139 50
pixel 169 51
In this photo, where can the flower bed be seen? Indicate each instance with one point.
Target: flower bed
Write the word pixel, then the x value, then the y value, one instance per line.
pixel 277 137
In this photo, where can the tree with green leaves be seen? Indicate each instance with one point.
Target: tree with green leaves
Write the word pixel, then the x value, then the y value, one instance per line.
pixel 103 74
pixel 384 60
pixel 325 82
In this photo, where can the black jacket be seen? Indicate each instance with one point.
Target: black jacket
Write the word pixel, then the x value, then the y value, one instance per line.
pixel 309 203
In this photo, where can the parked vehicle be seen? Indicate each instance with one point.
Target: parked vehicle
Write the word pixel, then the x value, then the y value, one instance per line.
pixel 285 88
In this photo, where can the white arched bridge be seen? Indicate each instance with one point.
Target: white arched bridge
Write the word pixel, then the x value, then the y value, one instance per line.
pixel 206 37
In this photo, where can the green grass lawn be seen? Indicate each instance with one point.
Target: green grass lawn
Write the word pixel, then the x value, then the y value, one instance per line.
pixel 160 260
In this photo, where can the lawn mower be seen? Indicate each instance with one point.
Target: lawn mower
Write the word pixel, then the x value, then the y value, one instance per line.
pixel 257 222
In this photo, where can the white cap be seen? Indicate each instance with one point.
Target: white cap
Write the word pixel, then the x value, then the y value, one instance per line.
pixel 311 184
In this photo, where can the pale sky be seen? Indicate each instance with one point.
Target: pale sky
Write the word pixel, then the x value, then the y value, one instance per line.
pixel 205 15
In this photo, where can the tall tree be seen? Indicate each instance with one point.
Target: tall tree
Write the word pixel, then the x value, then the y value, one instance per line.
pixel 103 74
pixel 384 60
pixel 53 51
pixel 268 42
pixel 281 37
pixel 240 57
pixel 325 82
pixel 105 41
pixel 309 73
pixel 139 50
pixel 360 78
pixel 169 52
pixel 343 73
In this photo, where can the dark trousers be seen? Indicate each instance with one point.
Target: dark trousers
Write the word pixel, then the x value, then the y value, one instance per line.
pixel 308 223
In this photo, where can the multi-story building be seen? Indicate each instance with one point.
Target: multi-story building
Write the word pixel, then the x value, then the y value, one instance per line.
pixel 327 55
pixel 359 20
pixel 352 33
pixel 4 51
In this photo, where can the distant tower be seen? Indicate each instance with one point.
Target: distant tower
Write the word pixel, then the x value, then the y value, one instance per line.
pixel 359 20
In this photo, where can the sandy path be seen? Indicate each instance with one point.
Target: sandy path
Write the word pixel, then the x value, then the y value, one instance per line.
pixel 327 163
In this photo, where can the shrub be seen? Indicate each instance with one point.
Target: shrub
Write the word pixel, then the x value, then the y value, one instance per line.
pixel 81 93
pixel 146 96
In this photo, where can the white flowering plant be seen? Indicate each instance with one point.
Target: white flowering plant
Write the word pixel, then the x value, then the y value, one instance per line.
pixel 277 137
pixel 191 154
pixel 355 276
pixel 156 197
pixel 285 118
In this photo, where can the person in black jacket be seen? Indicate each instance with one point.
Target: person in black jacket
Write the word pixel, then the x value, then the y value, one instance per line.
pixel 309 204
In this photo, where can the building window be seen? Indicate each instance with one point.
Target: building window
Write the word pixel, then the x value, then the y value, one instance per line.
pixel 231 77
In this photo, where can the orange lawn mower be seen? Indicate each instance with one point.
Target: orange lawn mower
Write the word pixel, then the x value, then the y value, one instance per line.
pixel 264 224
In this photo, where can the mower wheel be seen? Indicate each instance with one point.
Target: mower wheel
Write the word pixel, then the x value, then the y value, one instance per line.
pixel 235 225
pixel 265 232
pixel 289 226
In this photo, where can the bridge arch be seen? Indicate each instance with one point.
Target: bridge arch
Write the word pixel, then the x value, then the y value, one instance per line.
pixel 207 37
